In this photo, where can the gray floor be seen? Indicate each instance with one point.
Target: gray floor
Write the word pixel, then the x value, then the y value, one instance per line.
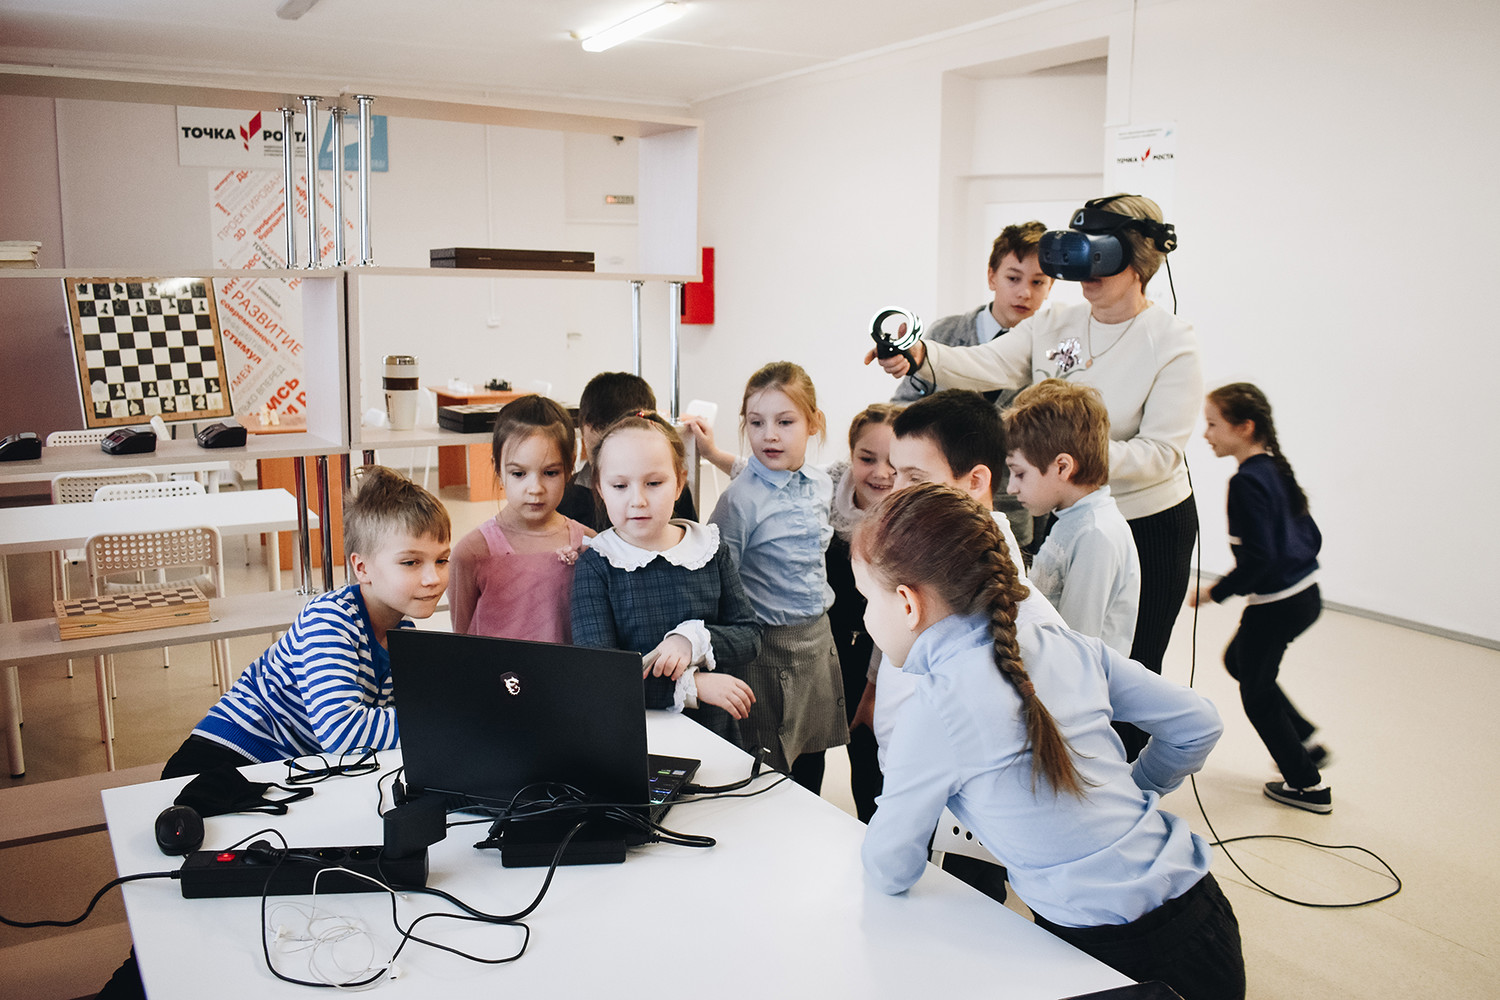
pixel 1390 701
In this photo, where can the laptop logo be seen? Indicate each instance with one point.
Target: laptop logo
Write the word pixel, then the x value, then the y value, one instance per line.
pixel 512 683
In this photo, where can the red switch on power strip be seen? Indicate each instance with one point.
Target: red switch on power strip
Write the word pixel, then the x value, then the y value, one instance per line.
pixel 698 296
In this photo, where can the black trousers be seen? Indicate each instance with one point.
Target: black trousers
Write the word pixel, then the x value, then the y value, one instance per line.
pixel 1191 943
pixel 1253 658
pixel 1164 545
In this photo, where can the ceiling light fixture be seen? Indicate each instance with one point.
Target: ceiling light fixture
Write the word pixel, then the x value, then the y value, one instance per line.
pixel 633 26
pixel 290 10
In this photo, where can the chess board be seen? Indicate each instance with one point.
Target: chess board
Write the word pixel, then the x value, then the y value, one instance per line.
pixel 148 347
pixel 116 613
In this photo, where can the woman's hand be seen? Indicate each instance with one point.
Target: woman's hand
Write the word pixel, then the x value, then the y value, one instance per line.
pixel 729 693
pixel 669 659
pixel 896 365
pixel 1199 595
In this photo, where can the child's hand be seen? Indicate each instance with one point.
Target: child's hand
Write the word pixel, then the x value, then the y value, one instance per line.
pixel 729 693
pixel 703 438
pixel 1199 595
pixel 669 660
pixel 864 713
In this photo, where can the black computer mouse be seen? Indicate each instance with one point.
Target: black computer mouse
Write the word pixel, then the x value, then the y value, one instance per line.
pixel 179 830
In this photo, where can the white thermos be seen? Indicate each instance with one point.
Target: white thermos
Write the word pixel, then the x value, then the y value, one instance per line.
pixel 400 385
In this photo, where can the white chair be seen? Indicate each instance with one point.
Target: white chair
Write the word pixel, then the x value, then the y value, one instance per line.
pixel 80 487
pixel 195 549
pixel 74 438
pixel 952 837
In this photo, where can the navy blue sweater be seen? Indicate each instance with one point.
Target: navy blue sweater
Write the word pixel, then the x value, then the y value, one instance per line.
pixel 1273 548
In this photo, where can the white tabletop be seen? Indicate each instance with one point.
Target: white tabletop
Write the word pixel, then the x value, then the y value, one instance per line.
pixel 63 526
pixel 778 908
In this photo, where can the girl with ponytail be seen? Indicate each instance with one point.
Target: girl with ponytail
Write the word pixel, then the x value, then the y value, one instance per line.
pixel 1275 544
pixel 1009 727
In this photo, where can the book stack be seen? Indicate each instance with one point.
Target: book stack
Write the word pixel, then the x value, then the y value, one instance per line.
pixel 22 253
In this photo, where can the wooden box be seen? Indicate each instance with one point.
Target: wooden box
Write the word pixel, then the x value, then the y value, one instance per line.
pixel 513 260
pixel 115 613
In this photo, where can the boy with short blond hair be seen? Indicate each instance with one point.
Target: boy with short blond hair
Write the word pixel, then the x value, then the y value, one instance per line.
pixel 325 685
pixel 1057 441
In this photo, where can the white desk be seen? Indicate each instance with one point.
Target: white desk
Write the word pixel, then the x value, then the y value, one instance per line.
pixel 63 526
pixel 778 908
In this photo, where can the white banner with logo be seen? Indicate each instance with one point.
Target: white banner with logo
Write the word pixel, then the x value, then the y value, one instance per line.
pixel 220 137
pixel 1143 160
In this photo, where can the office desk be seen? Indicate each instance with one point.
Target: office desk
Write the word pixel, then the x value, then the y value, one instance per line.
pixel 64 526
pixel 470 465
pixel 778 908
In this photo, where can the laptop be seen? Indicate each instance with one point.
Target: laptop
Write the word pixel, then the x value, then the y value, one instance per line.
pixel 483 718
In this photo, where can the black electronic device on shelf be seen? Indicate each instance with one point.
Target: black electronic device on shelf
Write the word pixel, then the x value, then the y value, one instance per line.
pixel 20 447
pixel 221 435
pixel 126 441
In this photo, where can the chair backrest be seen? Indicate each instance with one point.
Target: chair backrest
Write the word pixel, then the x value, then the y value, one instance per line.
pixel 952 837
pixel 128 553
pixel 79 487
pixel 71 438
pixel 141 491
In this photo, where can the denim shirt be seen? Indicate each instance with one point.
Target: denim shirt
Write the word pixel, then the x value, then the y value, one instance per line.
pixel 775 524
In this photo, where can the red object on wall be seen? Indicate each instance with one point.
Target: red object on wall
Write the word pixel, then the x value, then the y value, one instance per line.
pixel 698 296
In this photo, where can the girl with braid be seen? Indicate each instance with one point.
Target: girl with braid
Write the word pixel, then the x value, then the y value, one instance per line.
pixel 1010 729
pixel 1275 544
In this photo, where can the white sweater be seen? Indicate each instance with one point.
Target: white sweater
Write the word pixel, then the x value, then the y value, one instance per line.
pixel 1149 374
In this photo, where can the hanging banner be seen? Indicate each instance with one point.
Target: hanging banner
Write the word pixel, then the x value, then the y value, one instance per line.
pixel 1143 160
pixel 219 137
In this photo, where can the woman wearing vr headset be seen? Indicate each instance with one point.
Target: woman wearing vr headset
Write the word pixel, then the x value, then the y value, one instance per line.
pixel 1139 355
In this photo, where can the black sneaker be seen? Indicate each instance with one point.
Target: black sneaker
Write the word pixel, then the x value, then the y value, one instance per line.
pixel 1318 800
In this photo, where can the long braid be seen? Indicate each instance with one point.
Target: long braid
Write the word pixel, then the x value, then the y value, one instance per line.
pixel 1000 596
pixel 1241 401
pixel 934 536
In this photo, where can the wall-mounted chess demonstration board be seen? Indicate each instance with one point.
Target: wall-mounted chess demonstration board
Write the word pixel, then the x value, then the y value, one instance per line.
pixel 133 612
pixel 148 347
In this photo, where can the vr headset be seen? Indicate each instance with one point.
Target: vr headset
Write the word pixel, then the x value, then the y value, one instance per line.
pixel 1092 248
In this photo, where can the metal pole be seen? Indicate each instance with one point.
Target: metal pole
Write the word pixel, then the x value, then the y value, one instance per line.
pixel 290 186
pixel 674 328
pixel 304 551
pixel 635 322
pixel 365 256
pixel 310 145
pixel 325 522
pixel 337 113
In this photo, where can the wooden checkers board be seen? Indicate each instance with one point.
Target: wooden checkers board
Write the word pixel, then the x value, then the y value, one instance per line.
pixel 148 347
pixel 115 613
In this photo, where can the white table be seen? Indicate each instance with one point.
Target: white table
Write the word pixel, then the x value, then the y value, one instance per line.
pixel 778 908
pixel 63 526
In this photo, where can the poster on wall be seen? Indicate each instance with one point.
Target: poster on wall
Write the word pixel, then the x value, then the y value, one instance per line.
pixel 261 320
pixel 1143 160
pixel 225 137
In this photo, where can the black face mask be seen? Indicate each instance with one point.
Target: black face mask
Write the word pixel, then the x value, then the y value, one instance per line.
pixel 224 789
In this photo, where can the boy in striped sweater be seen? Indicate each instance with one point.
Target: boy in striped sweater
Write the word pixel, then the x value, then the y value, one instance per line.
pixel 325 686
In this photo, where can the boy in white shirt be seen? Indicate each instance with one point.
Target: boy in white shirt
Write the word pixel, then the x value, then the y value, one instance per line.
pixel 1057 441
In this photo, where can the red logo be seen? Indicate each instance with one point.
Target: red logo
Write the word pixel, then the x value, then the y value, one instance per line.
pixel 246 131
pixel 1144 156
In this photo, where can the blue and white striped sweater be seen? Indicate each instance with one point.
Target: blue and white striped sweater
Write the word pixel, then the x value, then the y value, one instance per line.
pixel 323 687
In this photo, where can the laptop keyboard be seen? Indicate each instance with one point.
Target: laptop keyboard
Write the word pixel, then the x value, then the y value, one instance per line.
pixel 668 775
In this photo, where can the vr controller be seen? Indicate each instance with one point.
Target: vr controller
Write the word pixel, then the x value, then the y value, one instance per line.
pixel 1091 246
pixel 896 331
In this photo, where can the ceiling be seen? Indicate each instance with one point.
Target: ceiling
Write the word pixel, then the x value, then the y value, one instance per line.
pixel 490 48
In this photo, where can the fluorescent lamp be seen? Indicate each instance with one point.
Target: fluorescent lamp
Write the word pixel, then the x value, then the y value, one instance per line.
pixel 634 26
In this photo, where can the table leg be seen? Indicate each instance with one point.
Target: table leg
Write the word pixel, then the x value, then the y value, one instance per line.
pixel 10 688
pixel 106 712
pixel 273 559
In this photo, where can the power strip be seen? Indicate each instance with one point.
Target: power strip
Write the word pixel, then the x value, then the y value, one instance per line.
pixel 252 871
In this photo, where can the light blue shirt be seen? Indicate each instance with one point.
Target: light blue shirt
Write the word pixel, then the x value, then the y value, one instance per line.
pixel 986 326
pixel 775 524
pixel 959 741
pixel 1089 570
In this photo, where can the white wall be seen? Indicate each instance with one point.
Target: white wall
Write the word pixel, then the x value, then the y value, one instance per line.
pixel 1321 147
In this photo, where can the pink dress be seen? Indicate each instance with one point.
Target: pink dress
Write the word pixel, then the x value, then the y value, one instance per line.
pixel 495 591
